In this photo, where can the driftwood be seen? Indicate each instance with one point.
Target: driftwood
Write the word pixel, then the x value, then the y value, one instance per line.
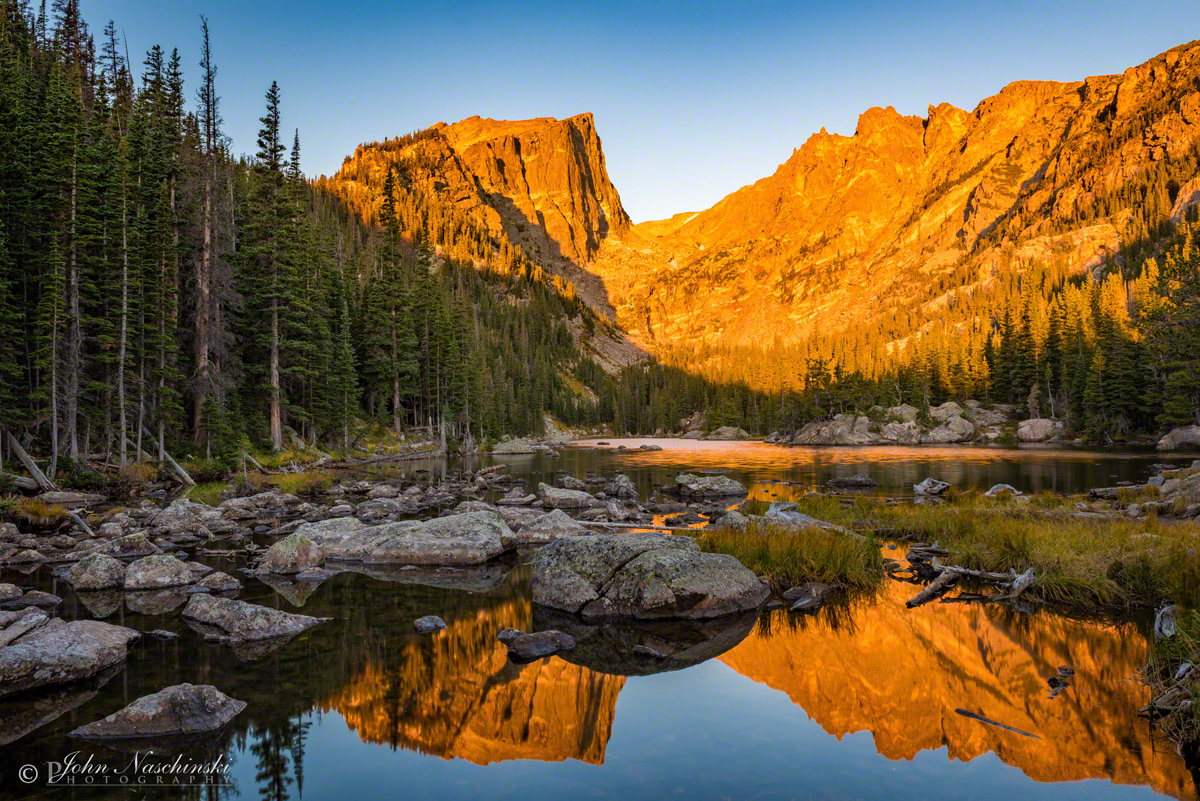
pixel 496 468
pixel 413 453
pixel 948 574
pixel 599 524
pixel 991 722
pixel 254 462
pixel 27 462
pixel 943 582
pixel 1175 696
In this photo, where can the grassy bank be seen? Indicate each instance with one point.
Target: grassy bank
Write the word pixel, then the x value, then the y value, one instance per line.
pixel 1084 560
pixel 790 557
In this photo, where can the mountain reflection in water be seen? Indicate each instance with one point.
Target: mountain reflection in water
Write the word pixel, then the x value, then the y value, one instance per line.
pixel 901 673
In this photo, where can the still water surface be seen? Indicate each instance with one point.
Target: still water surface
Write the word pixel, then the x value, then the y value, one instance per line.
pixel 856 702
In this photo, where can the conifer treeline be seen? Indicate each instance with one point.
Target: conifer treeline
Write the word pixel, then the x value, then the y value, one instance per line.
pixel 157 291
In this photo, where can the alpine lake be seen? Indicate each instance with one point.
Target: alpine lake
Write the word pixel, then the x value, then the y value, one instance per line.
pixel 856 701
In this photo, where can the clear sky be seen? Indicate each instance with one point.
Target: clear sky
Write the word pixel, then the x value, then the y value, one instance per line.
pixel 692 100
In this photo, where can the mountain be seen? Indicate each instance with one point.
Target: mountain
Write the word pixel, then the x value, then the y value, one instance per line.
pixel 889 227
pixel 910 212
pixel 538 184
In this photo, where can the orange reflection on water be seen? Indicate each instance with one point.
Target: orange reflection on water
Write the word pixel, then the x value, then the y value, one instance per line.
pixel 901 673
pixel 455 694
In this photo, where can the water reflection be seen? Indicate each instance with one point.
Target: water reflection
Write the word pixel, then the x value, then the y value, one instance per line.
pixel 901 673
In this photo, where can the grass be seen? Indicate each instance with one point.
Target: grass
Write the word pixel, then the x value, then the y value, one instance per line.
pixel 307 483
pixel 39 513
pixel 793 556
pixel 1088 563
pixel 208 492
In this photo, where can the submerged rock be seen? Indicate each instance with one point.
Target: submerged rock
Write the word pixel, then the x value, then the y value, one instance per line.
pixel 465 539
pixel 859 480
pixel 808 597
pixel 182 709
pixel 238 621
pixel 428 624
pixel 530 647
pixel 645 576
pixel 57 652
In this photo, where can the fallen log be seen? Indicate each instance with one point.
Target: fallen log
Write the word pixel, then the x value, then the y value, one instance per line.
pixel 600 524
pixel 991 722
pixel 80 522
pixel 31 466
pixel 179 471
pixel 254 462
pixel 943 582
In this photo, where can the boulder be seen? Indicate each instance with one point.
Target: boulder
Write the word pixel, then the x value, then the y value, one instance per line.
pixel 693 435
pixel 856 481
pixel 516 497
pixel 292 554
pixel 383 491
pixel 1038 429
pixel 136 544
pixel 428 624
pixel 783 513
pixel 179 710
pixel 900 433
pixel 157 572
pixel 515 446
pixel 524 648
pixel 238 621
pixel 946 411
pixel 11 592
pixel 954 429
pixel 727 434
pixel 571 483
pixel 645 576
pixel 621 486
pixel 931 486
pixel 901 414
pixel 219 582
pixel 465 539
pixel 549 527
pixel 1182 437
pixel 555 498
pixel 96 571
pixel 58 652
pixel 842 429
pixel 183 515
pixel 692 486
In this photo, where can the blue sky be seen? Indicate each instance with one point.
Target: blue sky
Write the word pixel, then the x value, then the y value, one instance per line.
pixel 692 100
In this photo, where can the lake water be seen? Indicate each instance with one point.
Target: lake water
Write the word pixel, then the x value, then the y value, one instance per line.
pixel 855 702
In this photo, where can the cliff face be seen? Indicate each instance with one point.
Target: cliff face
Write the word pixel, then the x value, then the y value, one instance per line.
pixel 900 674
pixel 541 184
pixel 853 227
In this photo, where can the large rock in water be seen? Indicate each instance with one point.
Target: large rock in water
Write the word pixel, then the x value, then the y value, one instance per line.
pixel 292 554
pixel 727 433
pixel 466 539
pixel 692 486
pixel 1183 437
pixel 57 652
pixel 96 571
pixel 644 576
pixel 555 498
pixel 157 572
pixel 238 621
pixel 1037 429
pixel 182 709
